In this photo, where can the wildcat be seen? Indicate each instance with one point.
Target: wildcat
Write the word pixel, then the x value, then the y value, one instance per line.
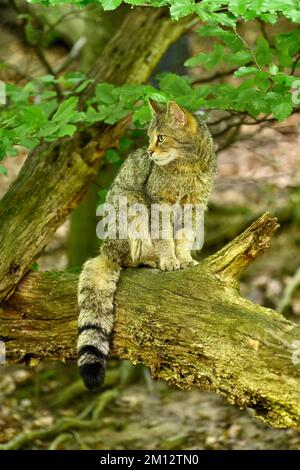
pixel 178 167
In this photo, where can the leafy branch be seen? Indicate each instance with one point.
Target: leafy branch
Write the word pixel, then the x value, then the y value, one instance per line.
pixel 262 85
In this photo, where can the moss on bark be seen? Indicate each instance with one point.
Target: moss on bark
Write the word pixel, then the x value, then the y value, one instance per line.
pixel 190 327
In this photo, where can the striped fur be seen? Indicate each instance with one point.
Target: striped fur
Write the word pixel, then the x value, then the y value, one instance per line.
pixel 96 288
pixel 178 167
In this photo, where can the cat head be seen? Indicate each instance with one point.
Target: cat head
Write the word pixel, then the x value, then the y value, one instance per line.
pixel 173 133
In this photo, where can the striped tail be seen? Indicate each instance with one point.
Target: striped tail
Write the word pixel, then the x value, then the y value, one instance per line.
pixel 96 288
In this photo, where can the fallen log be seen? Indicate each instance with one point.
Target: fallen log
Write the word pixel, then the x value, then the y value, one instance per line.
pixel 191 327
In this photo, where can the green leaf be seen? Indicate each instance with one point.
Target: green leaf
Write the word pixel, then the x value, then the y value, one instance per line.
pixel 142 115
pixel 237 7
pixel 282 82
pixel 67 129
pixel 250 100
pixel 129 94
pixel 110 4
pixel 223 18
pixel 224 95
pixel 92 116
pixel 263 52
pixel 262 80
pixel 239 58
pixel 289 8
pixel 50 128
pixel 105 93
pixel 157 96
pixel 16 94
pixel 142 2
pixel 245 71
pixel 214 30
pixel 30 142
pixel 269 17
pixel 66 111
pixel 181 8
pixel 174 85
pixel 3 170
pixel 287 45
pixel 114 113
pixel 34 116
pixel 209 60
pixel 71 79
pixel 83 86
pixel 45 79
pixel 273 69
pixel 282 106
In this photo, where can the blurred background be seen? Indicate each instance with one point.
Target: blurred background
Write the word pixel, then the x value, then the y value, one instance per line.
pixel 258 170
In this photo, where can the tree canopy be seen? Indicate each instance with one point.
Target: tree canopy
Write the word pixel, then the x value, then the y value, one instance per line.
pixel 263 83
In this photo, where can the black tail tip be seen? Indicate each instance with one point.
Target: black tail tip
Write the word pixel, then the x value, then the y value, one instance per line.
pixel 92 375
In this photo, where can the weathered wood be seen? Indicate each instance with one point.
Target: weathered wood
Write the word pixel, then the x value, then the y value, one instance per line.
pixel 56 176
pixel 190 327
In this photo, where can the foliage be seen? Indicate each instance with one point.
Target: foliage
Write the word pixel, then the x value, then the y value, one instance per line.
pixel 219 11
pixel 33 114
pixel 263 81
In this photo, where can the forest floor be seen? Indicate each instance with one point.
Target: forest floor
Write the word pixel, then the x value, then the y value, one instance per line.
pixel 143 416
pixel 260 172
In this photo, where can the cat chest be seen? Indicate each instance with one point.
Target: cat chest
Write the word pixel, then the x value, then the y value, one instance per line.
pixel 182 190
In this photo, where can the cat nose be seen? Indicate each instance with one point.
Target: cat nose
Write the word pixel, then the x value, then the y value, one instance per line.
pixel 150 153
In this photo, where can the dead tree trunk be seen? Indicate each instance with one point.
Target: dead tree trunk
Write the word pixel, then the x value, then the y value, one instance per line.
pixel 190 327
pixel 56 176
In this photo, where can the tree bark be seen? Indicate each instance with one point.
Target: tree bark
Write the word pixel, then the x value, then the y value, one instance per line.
pixel 83 242
pixel 56 176
pixel 190 327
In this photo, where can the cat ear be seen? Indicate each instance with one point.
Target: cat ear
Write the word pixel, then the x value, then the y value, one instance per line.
pixel 154 106
pixel 176 114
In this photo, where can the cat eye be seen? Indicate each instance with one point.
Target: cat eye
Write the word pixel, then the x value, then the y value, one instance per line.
pixel 160 138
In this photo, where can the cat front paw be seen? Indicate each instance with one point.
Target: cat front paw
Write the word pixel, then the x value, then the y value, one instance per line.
pixel 171 264
pixel 151 264
pixel 187 263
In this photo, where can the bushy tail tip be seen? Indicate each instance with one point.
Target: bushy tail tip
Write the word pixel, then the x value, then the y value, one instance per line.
pixel 92 375
pixel 92 364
